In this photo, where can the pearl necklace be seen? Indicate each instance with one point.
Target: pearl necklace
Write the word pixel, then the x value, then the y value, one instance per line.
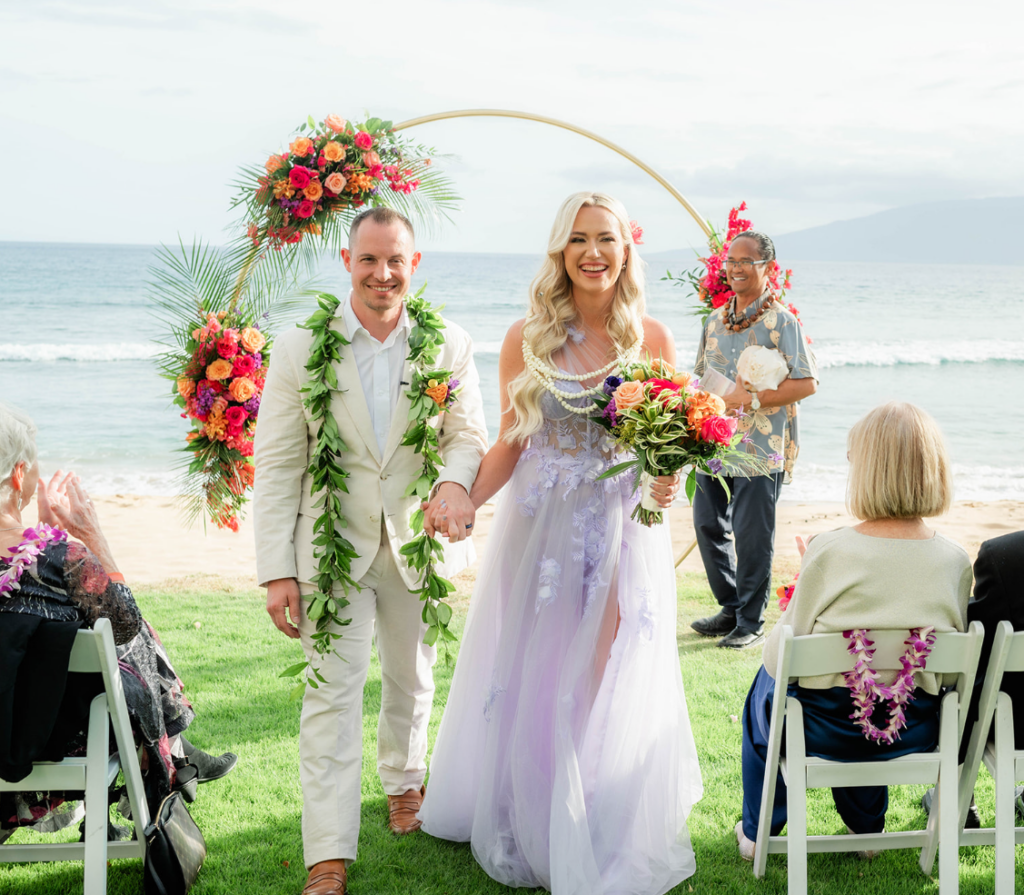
pixel 547 376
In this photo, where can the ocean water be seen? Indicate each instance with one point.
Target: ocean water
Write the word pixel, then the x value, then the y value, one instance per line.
pixel 78 338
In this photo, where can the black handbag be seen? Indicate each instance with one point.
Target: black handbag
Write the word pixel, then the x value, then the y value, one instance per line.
pixel 175 849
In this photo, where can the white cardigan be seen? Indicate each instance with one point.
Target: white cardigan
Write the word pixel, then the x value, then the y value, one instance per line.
pixel 851 580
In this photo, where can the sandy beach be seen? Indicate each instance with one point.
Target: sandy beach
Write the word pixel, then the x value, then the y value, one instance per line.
pixel 151 542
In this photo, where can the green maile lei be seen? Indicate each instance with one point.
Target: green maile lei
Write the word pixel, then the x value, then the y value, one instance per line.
pixel 333 551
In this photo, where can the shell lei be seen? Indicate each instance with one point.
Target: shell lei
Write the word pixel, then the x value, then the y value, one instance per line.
pixel 34 542
pixel 866 691
pixel 333 551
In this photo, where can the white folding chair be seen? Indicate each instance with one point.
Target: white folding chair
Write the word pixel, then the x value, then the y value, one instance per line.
pixel 1004 762
pixel 93 651
pixel 818 654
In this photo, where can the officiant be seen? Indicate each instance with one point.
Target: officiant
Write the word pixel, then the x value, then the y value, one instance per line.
pixel 739 569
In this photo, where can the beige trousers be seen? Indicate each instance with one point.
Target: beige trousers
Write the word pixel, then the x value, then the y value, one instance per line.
pixel 331 729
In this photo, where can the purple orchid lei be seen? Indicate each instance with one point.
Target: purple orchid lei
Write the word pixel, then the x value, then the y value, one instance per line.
pixel 866 691
pixel 33 543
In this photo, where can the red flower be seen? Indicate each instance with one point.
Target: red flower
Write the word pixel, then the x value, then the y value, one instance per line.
pixel 299 177
pixel 305 210
pixel 244 364
pixel 364 140
pixel 657 386
pixel 718 429
pixel 227 346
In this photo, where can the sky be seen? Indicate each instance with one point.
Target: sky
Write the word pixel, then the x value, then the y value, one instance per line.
pixel 127 122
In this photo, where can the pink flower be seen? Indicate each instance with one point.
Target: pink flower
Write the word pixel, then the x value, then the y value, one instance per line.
pixel 335 183
pixel 336 123
pixel 244 365
pixel 305 209
pixel 371 159
pixel 300 177
pixel 364 140
pixel 718 429
pixel 637 232
pixel 227 346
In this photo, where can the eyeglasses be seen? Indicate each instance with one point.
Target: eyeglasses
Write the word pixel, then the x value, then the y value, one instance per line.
pixel 742 264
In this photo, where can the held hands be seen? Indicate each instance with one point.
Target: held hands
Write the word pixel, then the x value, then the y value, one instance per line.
pixel 664 489
pixel 449 513
pixel 283 594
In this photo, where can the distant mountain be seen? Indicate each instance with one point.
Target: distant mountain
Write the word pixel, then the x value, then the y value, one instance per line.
pixel 969 231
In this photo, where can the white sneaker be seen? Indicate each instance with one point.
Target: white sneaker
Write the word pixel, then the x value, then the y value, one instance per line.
pixel 868 854
pixel 746 845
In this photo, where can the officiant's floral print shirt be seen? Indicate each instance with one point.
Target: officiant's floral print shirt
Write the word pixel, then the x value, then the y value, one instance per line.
pixel 773 432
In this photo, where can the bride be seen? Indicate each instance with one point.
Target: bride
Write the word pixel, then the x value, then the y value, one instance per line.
pixel 565 755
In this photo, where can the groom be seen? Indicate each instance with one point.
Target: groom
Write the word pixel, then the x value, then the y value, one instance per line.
pixel 371 408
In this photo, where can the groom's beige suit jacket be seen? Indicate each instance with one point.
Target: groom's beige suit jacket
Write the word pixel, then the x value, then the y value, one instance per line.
pixel 283 507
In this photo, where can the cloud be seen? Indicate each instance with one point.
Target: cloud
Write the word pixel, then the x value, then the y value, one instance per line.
pixel 156 16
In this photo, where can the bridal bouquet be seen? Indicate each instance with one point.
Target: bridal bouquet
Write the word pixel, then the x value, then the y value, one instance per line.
pixel 667 421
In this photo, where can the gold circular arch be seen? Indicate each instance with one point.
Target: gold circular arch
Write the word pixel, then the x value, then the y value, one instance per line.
pixel 590 135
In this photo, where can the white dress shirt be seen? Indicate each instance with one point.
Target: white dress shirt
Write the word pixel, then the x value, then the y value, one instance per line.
pixel 380 367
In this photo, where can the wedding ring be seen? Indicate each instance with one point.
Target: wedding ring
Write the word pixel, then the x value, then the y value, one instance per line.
pixel 469 525
pixel 444 518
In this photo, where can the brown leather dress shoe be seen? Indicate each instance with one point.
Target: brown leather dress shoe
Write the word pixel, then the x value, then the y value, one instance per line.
pixel 402 811
pixel 327 878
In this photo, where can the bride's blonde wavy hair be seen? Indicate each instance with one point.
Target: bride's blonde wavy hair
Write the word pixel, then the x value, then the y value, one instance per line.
pixel 551 308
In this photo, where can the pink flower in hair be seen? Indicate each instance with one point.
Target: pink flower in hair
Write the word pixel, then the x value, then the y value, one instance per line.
pixel 637 232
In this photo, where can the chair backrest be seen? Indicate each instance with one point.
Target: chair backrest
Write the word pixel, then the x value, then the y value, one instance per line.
pixel 94 651
pixel 821 654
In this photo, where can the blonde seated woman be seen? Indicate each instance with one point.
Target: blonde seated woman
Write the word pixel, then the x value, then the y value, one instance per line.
pixel 888 571
pixel 565 755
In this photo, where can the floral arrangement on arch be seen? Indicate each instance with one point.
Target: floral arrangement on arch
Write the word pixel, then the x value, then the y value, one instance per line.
pixel 219 387
pixel 709 281
pixel 331 169
pixel 668 422
pixel 219 307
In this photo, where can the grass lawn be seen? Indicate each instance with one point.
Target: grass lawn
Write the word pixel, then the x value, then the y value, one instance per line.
pixel 251 819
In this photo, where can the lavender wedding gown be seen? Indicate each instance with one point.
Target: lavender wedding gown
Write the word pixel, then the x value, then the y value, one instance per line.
pixel 565 754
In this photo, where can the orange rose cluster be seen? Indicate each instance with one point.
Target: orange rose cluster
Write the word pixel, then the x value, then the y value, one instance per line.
pixel 220 389
pixel 338 166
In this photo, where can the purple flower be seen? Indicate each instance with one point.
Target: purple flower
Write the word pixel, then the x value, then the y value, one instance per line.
pixel 453 384
pixel 715 465
pixel 611 383
pixel 609 412
pixel 257 356
pixel 205 400
pixel 252 406
pixel 776 459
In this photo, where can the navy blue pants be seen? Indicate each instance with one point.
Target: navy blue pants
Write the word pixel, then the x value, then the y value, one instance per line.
pixel 829 733
pixel 740 576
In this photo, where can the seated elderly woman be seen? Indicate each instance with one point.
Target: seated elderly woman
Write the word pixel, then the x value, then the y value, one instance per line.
pixel 49 587
pixel 889 571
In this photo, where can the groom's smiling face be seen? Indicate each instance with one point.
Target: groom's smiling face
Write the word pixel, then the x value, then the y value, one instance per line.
pixel 382 260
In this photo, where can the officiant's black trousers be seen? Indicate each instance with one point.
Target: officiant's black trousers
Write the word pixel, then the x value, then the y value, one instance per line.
pixel 740 574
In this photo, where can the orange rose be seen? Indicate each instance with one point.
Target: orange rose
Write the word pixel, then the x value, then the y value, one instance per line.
pixel 439 392
pixel 301 147
pixel 334 152
pixel 336 123
pixel 186 387
pixel 220 404
pixel 219 369
pixel 371 159
pixel 252 339
pixel 335 182
pixel 682 379
pixel 273 164
pixel 702 406
pixel 314 191
pixel 662 367
pixel 628 395
pixel 242 389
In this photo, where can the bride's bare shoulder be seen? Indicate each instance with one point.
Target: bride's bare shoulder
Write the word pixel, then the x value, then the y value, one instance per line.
pixel 511 359
pixel 658 339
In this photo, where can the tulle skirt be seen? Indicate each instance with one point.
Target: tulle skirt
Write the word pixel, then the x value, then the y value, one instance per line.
pixel 565 754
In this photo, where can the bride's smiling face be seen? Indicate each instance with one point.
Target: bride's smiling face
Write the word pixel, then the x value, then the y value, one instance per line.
pixel 596 253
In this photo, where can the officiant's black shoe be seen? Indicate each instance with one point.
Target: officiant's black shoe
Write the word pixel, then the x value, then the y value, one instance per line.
pixel 210 767
pixel 715 625
pixel 973 821
pixel 1018 797
pixel 742 638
